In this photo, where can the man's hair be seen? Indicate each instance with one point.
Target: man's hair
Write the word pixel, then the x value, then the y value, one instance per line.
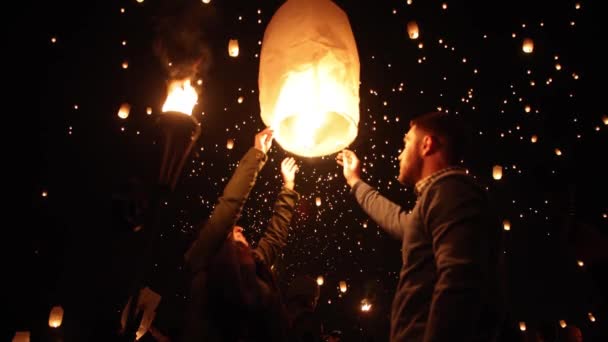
pixel 451 129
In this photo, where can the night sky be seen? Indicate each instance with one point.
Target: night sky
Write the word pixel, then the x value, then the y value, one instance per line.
pixel 540 115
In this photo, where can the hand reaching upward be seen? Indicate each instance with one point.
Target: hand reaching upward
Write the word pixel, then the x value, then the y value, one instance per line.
pixel 288 171
pixel 351 167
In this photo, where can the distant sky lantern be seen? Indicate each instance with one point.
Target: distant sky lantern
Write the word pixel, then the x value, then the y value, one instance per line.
pixel 562 323
pixel 522 326
pixel 558 152
pixel 580 263
pixel 206 1
pixel 412 30
pixel 181 97
pixel 591 317
pixel 56 317
pixel 318 201
pixel 497 172
pixel 21 336
pixel 528 45
pixel 45 194
pixel 125 65
pixel 534 138
pixel 233 47
pixel 365 305
pixel 123 111
pixel 605 119
pixel 343 286
pixel 240 99
pixel 506 224
pixel 320 280
pixel 528 108
pixel 230 144
pixel 149 110
pixel 309 78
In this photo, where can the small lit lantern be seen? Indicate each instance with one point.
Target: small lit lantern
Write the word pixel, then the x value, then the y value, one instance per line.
pixel 365 305
pixel 534 138
pixel 21 336
pixel 309 78
pixel 320 280
pixel 343 286
pixel 56 317
pixel 506 224
pixel 591 317
pixel 528 45
pixel 125 65
pixel 206 1
pixel 229 144
pixel 318 201
pixel 412 30
pixel 527 108
pixel 240 99
pixel 149 110
pixel 580 263
pixel 558 152
pixel 233 48
pixel 605 119
pixel 124 110
pixel 522 326
pixel 497 172
pixel 562 323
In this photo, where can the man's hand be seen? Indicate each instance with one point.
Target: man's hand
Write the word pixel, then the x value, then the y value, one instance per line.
pixel 263 140
pixel 351 166
pixel 288 171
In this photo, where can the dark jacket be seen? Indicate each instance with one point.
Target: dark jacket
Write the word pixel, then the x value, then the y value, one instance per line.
pixel 450 284
pixel 234 295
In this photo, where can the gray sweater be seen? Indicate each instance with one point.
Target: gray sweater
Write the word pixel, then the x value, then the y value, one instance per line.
pixel 450 283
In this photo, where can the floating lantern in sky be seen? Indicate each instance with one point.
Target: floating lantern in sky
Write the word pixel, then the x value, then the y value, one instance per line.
pixel 365 305
pixel 528 45
pixel 21 336
pixel 309 78
pixel 497 172
pixel 522 326
pixel 320 280
pixel 506 224
pixel 233 48
pixel 206 1
pixel 240 99
pixel 580 263
pixel 558 152
pixel 534 138
pixel 605 119
pixel 56 317
pixel 318 201
pixel 562 323
pixel 591 317
pixel 412 30
pixel 343 286
pixel 123 111
pixel 527 108
pixel 229 144
pixel 125 65
pixel 149 110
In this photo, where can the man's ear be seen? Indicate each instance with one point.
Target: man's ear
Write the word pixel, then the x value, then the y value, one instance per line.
pixel 428 145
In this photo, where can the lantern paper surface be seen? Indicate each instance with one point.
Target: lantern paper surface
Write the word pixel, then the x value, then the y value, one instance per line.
pixel 148 302
pixel 309 78
pixel 56 317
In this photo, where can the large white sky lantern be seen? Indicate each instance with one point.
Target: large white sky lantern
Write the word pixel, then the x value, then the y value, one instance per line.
pixel 309 78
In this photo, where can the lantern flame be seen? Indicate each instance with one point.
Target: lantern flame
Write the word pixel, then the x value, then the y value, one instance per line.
pixel 320 280
pixel 181 97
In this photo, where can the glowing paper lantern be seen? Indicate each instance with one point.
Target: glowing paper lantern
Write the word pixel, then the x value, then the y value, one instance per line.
pixel 522 326
pixel 591 317
pixel 497 172
pixel 412 30
pixel 528 45
pixel 320 280
pixel 181 97
pixel 605 119
pixel 365 305
pixel 124 110
pixel 534 138
pixel 562 323
pixel 56 317
pixel 343 287
pixel 22 336
pixel 229 144
pixel 309 78
pixel 506 224
pixel 149 110
pixel 233 48
pixel 318 201
pixel 240 99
